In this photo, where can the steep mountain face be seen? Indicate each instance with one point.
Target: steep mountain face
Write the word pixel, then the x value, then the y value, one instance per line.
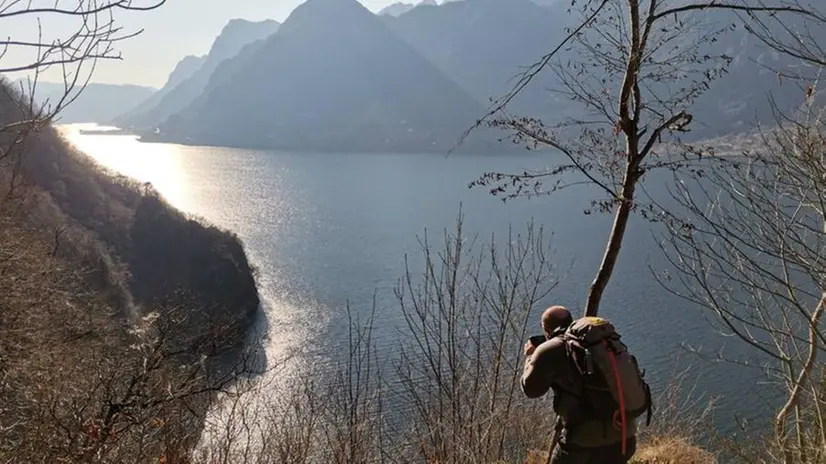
pixel 236 35
pixel 96 103
pixel 333 78
pixel 336 77
pixel 396 9
pixel 772 84
pixel 482 44
pixel 185 69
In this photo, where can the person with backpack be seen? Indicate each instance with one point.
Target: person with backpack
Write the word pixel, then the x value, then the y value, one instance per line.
pixel 598 389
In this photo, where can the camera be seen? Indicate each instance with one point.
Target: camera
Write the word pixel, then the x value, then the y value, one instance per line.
pixel 537 340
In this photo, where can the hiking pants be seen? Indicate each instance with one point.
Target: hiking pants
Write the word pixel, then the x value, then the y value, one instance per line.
pixel 609 454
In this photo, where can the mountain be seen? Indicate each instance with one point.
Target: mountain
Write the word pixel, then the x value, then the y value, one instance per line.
pixel 185 69
pixel 235 36
pixel 96 103
pixel 334 78
pixel 398 9
pixel 729 106
pixel 482 44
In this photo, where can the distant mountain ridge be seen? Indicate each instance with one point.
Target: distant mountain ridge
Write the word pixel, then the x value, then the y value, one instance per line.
pixel 483 44
pixel 396 9
pixel 730 106
pixel 400 8
pixel 95 103
pixel 237 34
pixel 337 77
pixel 334 77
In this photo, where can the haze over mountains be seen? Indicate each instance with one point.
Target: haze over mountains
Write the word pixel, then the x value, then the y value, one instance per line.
pixel 337 77
pixel 179 93
pixel 399 8
pixel 334 77
pixel 96 103
pixel 482 44
pixel 185 69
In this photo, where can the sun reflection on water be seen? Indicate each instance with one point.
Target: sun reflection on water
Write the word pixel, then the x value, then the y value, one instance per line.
pixel 228 191
pixel 195 180
pixel 158 164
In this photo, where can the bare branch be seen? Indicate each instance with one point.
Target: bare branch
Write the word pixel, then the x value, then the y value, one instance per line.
pixel 714 5
pixel 81 10
pixel 526 77
pixel 682 118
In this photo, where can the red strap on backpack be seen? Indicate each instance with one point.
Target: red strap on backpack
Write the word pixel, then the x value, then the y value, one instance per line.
pixel 621 392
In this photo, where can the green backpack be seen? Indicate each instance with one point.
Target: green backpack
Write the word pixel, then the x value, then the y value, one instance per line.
pixel 612 384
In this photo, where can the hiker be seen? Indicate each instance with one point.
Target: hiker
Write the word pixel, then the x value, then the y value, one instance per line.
pixel 595 429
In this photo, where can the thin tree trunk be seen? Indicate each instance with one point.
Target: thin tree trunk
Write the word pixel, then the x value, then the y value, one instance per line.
pixel 628 124
pixel 805 372
pixel 614 243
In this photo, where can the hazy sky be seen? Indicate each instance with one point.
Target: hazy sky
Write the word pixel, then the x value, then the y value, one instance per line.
pixel 179 28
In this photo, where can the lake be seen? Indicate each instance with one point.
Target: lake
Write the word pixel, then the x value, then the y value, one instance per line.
pixel 328 230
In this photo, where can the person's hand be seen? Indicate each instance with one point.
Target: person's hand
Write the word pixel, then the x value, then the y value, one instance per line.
pixel 529 348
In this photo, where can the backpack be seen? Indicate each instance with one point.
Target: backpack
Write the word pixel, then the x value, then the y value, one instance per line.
pixel 612 385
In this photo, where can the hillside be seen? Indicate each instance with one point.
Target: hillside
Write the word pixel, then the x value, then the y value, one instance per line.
pixel 731 107
pixel 96 102
pixel 233 38
pixel 117 310
pixel 333 78
pixel 185 69
pixel 482 44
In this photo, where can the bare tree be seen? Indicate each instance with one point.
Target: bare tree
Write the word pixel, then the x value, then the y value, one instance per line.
pixel 323 413
pixel 750 246
pixel 460 368
pixel 634 68
pixel 84 32
pixel 142 398
pixel 802 40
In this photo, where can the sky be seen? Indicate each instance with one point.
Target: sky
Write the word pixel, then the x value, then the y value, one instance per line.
pixel 177 29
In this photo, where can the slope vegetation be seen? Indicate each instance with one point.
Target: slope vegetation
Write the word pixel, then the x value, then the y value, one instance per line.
pixel 121 317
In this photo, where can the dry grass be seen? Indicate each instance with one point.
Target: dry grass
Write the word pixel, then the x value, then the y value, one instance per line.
pixel 656 451
pixel 672 451
pixel 536 457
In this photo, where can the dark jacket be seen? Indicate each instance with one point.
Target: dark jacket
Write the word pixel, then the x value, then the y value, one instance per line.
pixel 548 368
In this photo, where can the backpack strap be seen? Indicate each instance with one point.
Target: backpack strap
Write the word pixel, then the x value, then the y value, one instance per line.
pixel 649 411
pixel 621 395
